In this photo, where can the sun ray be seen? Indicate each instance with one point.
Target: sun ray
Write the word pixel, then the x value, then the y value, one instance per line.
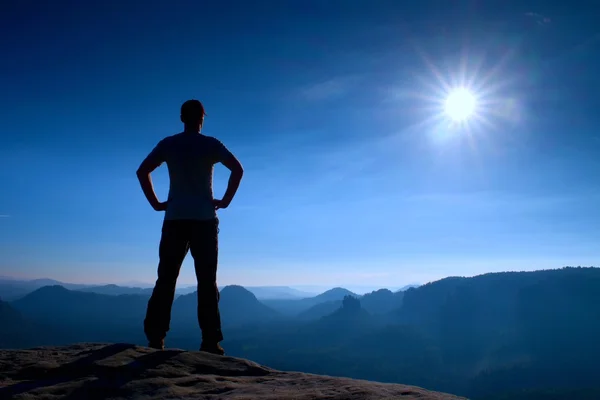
pixel 471 101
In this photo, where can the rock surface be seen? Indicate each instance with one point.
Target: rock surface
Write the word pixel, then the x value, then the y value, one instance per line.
pixel 124 371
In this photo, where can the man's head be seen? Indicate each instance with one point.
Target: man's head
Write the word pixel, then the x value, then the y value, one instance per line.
pixel 192 113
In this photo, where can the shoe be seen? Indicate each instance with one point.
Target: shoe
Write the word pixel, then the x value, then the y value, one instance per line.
pixel 157 344
pixel 213 349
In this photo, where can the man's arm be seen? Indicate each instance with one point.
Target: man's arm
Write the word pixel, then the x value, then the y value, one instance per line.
pixel 237 171
pixel 150 163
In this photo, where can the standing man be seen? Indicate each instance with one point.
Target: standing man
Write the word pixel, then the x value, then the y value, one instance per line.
pixel 190 223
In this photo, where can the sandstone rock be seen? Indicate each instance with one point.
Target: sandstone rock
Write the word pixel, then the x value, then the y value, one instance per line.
pixel 124 371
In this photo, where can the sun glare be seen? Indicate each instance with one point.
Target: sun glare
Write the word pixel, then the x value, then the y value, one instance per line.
pixel 470 101
pixel 460 104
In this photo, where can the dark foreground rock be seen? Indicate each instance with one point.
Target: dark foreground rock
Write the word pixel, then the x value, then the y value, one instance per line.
pixel 123 371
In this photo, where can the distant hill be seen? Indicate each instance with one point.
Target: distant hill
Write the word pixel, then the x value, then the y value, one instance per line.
pixel 381 301
pixel 12 289
pixel 349 321
pixel 334 294
pixel 237 305
pixel 404 288
pixel 296 306
pixel 80 315
pixel 85 316
pixel 240 306
pixel 309 343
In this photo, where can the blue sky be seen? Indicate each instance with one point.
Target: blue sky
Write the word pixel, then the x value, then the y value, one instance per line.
pixel 352 175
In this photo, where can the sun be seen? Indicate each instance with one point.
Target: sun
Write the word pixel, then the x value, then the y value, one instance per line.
pixel 460 104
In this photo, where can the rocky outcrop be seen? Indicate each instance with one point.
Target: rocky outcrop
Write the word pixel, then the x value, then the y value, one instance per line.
pixel 124 371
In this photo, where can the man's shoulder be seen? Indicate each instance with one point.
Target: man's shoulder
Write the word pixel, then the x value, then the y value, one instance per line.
pixel 214 143
pixel 169 139
pixel 211 139
pixel 217 148
pixel 174 140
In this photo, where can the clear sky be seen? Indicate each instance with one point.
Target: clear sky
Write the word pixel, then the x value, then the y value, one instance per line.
pixel 335 108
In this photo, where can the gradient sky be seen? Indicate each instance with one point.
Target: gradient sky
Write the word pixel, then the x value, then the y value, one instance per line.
pixel 333 107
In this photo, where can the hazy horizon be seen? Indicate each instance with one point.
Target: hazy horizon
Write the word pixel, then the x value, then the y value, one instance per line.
pixel 364 285
pixel 307 288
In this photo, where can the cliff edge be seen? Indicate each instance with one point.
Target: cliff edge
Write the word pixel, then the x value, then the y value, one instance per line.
pixel 124 371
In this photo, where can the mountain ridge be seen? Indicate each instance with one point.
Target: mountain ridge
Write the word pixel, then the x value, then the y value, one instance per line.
pixel 15 288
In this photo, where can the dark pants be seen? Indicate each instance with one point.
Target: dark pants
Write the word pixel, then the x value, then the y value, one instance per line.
pixel 179 236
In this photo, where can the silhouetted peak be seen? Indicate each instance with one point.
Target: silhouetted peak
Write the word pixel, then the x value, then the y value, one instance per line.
pixel 336 293
pixel 351 311
pixel 351 303
pixel 337 289
pixel 238 292
pixel 408 287
pixel 52 290
pixel 380 292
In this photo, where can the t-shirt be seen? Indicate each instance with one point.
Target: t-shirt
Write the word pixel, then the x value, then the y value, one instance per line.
pixel 190 159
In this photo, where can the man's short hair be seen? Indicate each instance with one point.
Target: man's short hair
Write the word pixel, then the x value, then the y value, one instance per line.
pixel 192 111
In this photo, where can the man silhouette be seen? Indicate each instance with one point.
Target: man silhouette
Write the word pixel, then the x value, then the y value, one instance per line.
pixel 190 223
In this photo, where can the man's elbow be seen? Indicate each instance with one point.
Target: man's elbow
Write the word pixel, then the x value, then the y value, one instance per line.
pixel 234 166
pixel 141 173
pixel 238 171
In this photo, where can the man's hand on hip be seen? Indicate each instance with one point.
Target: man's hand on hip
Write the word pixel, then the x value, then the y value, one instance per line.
pixel 161 206
pixel 220 204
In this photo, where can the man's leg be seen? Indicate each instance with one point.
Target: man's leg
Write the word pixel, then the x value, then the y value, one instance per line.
pixel 204 246
pixel 173 248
